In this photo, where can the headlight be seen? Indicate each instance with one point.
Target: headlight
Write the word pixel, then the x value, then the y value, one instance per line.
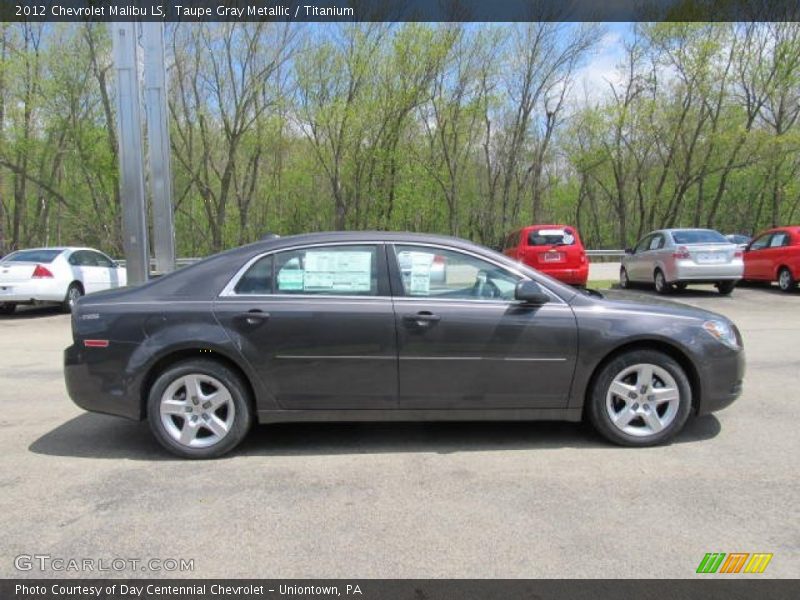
pixel 723 332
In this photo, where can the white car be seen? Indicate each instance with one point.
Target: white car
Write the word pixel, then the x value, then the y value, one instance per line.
pixel 55 276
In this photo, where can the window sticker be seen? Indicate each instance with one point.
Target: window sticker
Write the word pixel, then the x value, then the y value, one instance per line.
pixel 327 271
pixel 290 279
pixel 416 269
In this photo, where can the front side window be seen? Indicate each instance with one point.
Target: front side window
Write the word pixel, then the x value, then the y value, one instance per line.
pixel 437 273
pixel 761 242
pixel 643 244
pixel 100 260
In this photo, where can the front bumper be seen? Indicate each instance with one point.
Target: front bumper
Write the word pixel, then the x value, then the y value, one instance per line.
pixel 722 376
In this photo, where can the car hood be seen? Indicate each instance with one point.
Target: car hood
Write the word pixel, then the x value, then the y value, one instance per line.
pixel 645 303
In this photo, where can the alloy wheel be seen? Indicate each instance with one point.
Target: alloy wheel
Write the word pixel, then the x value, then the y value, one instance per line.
pixel 197 410
pixel 785 280
pixel 72 296
pixel 643 400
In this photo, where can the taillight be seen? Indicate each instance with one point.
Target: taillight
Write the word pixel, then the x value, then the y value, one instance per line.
pixel 41 272
pixel 682 253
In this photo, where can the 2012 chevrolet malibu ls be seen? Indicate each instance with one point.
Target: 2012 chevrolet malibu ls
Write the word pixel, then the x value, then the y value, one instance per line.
pixel 359 326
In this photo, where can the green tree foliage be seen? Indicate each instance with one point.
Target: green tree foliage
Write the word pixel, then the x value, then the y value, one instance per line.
pixel 466 129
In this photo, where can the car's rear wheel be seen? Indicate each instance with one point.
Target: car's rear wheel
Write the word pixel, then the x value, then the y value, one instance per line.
pixel 785 280
pixel 640 398
pixel 199 409
pixel 624 282
pixel 7 308
pixel 74 292
pixel 660 282
pixel 725 287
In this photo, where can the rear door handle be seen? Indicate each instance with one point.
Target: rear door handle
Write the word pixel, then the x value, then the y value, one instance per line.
pixel 422 319
pixel 253 317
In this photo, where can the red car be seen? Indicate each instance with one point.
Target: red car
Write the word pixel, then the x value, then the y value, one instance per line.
pixel 553 249
pixel 774 255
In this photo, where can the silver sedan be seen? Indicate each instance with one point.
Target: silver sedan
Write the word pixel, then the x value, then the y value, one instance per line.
pixel 673 258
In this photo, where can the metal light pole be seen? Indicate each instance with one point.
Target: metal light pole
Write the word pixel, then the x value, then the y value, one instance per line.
pixel 134 220
pixel 155 90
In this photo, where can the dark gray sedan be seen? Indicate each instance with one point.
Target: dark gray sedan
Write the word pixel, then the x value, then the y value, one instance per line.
pixel 389 326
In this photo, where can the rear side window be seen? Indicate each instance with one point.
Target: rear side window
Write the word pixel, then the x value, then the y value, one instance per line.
pixel 779 239
pixel 699 236
pixel 37 256
pixel 332 270
pixel 551 237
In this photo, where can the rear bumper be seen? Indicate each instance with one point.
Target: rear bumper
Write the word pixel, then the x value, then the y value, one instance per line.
pixel 29 292
pixel 691 271
pixel 98 384
pixel 577 276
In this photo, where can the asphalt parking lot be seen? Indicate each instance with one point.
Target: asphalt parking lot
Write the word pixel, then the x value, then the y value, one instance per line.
pixel 407 500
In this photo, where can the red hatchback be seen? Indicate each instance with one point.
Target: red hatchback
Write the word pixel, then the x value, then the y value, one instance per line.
pixel 774 255
pixel 553 249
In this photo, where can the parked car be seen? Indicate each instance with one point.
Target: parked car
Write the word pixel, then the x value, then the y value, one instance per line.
pixel 55 276
pixel 553 249
pixel 674 258
pixel 329 326
pixel 774 255
pixel 739 239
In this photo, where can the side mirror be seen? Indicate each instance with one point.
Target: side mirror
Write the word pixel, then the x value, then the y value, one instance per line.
pixel 529 292
pixel 628 250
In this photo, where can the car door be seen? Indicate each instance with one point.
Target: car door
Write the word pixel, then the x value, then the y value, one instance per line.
pixel 755 263
pixel 317 325
pixel 105 271
pixel 83 269
pixel 465 343
pixel 634 263
pixel 774 254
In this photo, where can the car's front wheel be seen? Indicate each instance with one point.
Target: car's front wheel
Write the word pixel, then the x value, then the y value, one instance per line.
pixel 640 398
pixel 199 409
pixel 785 280
pixel 7 308
pixel 624 281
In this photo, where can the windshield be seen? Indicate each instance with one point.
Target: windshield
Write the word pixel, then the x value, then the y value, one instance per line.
pixel 37 256
pixel 551 237
pixel 698 236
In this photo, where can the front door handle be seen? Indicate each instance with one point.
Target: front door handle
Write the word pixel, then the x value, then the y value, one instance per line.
pixel 422 319
pixel 253 317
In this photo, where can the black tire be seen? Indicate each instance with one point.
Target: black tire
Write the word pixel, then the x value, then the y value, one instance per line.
pixel 601 382
pixel 74 291
pixel 786 282
pixel 726 287
pixel 624 281
pixel 242 403
pixel 660 283
pixel 7 308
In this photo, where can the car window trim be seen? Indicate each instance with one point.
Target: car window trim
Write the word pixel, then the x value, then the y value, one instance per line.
pixel 229 290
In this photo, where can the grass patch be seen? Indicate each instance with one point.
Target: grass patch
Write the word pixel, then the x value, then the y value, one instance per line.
pixel 601 284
